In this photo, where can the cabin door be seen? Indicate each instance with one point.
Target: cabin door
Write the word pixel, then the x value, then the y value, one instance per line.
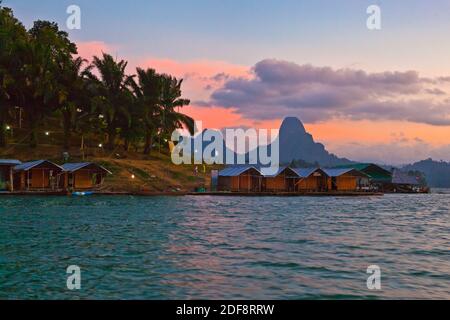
pixel 322 184
pixel 334 186
pixel 290 185
pixel 255 183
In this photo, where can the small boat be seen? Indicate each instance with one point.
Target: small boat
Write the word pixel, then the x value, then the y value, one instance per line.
pixel 82 193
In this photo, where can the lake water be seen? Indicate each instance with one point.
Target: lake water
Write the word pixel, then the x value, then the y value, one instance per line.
pixel 225 247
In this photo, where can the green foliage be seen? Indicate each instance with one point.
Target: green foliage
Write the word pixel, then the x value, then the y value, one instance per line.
pixel 41 74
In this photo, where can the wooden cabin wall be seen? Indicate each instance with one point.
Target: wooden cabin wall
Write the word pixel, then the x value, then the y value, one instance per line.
pixel 234 183
pixel 21 179
pixel 245 182
pixel 276 183
pixel 4 176
pixel 83 179
pixel 346 183
pixel 40 178
pixel 63 180
pixel 310 183
pixel 224 183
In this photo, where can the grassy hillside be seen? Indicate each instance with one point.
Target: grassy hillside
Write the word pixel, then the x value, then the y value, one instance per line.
pixel 154 173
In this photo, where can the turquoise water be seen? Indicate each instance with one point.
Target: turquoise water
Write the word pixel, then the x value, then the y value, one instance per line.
pixel 225 247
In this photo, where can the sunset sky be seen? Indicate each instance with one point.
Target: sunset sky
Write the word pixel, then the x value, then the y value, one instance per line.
pixel 379 95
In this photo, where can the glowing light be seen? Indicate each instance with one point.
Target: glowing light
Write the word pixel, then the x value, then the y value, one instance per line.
pixel 100 145
pixel 132 176
pixel 8 127
pixel 47 133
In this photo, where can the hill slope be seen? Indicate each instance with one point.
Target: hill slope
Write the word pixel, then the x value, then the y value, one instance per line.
pixel 154 173
pixel 437 172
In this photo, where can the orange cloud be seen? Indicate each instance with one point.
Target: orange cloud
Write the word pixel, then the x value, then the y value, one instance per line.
pixel 218 118
pixel 335 132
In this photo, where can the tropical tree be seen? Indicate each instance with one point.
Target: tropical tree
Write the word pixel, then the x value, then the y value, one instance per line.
pixel 171 102
pixel 113 95
pixel 148 96
pixel 40 74
pixel 46 48
pixel 74 97
pixel 132 128
pixel 12 35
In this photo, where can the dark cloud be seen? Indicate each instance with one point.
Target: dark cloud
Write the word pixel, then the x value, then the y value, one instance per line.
pixel 281 88
pixel 220 77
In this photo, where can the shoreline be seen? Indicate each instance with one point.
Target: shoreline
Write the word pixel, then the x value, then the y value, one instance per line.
pixel 197 194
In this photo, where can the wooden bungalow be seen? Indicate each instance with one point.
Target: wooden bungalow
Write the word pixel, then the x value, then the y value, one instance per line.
pixel 347 179
pixel 36 175
pixel 7 174
pixel 379 177
pixel 311 180
pixel 240 179
pixel 83 176
pixel 282 181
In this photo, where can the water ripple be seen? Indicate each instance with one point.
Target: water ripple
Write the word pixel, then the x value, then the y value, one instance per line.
pixel 225 247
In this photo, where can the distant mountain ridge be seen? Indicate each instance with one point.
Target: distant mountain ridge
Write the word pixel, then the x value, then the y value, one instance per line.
pixel 297 144
pixel 437 173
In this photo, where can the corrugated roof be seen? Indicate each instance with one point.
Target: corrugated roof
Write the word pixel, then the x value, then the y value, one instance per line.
pixel 10 162
pixel 234 171
pixel 339 172
pixel 400 177
pixel 381 175
pixel 29 165
pixel 357 166
pixel 280 170
pixel 304 172
pixel 71 167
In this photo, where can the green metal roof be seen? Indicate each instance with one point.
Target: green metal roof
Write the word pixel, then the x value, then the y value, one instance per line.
pixel 375 172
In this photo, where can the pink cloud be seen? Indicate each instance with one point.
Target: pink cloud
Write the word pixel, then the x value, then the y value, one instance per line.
pixel 92 48
pixel 201 77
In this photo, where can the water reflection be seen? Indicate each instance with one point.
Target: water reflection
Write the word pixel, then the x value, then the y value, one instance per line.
pixel 213 247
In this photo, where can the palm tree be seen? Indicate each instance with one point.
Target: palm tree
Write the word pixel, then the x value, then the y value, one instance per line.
pixel 148 95
pixel 112 95
pixel 171 101
pixel 74 98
